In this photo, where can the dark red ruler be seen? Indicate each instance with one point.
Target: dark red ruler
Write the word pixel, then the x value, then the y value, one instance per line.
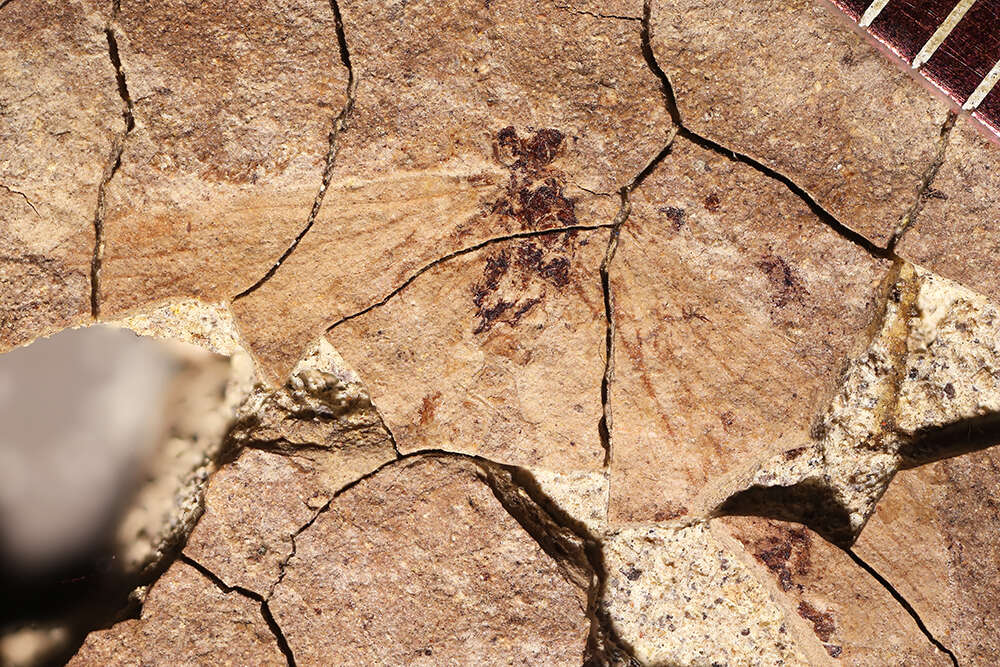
pixel 954 44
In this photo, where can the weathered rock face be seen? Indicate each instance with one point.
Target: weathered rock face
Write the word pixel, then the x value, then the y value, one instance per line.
pixel 922 389
pixel 187 619
pixel 531 307
pixel 60 122
pixel 934 538
pixel 789 84
pixel 957 230
pixel 752 591
pixel 506 121
pixel 734 308
pixel 421 564
pixel 232 107
pixel 480 353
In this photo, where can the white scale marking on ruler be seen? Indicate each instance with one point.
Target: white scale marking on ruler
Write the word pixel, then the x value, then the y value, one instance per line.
pixel 872 12
pixel 942 32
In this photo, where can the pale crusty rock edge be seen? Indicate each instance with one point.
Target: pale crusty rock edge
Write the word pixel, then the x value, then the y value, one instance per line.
pixel 589 513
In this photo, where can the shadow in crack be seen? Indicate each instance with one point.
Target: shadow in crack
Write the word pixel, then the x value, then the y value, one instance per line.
pixel 811 503
pixel 934 444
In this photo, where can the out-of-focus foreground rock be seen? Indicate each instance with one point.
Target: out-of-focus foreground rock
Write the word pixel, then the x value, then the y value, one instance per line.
pixel 551 332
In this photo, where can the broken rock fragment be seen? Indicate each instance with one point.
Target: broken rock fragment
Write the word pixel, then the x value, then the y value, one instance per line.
pixel 734 308
pixel 498 353
pixel 925 387
pixel 933 537
pixel 186 620
pixel 793 85
pixel 956 232
pixel 233 104
pixel 471 121
pixel 321 433
pixel 253 507
pixel 60 118
pixel 751 591
pixel 421 564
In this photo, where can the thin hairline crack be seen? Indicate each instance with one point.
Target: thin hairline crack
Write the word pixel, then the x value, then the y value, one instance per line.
pixel 340 124
pixel 670 101
pixel 114 163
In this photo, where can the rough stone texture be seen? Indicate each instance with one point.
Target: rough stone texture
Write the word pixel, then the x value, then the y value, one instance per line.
pixel 186 620
pixel 443 212
pixel 206 325
pixel 844 611
pixel 495 353
pixel 233 105
pixel 472 120
pixel 957 230
pixel 582 495
pixel 60 117
pixel 420 564
pixel 751 591
pixel 734 308
pixel 253 507
pixel 790 84
pixel 934 538
pixel 324 434
pixel 677 596
pixel 926 386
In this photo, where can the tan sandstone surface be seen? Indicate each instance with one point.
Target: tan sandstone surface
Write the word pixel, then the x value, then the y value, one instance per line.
pixel 577 333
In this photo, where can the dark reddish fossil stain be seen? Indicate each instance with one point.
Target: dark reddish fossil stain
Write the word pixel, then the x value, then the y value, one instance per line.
pixel 516 277
pixel 712 203
pixel 531 153
pixel 428 406
pixel 785 552
pixel 822 621
pixel 674 215
pixel 785 283
pixel 794 453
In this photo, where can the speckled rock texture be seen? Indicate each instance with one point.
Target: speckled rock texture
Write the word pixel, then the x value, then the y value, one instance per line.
pixel 570 333
pixel 188 620
pixel 435 526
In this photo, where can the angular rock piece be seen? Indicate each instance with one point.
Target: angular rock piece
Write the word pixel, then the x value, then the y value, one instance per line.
pixel 60 116
pixel 926 386
pixel 734 309
pixel 325 434
pixel 957 231
pixel 934 537
pixel 186 620
pixel 677 596
pixel 750 591
pixel 233 106
pixel 253 507
pixel 472 121
pixel 792 85
pixel 844 611
pixel 498 353
pixel 420 564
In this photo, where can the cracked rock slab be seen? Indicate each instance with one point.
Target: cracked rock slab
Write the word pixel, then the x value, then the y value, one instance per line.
pixel 233 105
pixel 186 620
pixel 60 117
pixel 253 507
pixel 495 353
pixel 926 386
pixel 421 564
pixel 755 592
pixel 734 308
pixel 933 536
pixel 471 121
pixel 793 86
pixel 957 230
